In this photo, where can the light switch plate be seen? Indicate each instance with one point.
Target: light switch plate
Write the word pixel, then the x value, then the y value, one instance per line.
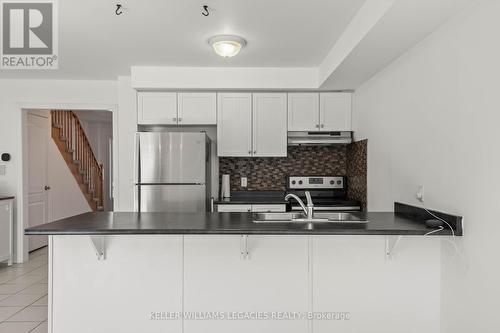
pixel 2 170
pixel 244 182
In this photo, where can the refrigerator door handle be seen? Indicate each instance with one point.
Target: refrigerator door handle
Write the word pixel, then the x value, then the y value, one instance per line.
pixel 137 160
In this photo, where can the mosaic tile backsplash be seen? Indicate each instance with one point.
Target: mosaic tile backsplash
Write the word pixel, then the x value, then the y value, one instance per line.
pixel 357 171
pixel 268 173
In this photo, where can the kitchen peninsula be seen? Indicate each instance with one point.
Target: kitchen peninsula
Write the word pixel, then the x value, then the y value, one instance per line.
pixel 155 269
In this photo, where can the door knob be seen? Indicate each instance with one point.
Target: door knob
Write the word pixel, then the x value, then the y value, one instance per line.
pixel 47 188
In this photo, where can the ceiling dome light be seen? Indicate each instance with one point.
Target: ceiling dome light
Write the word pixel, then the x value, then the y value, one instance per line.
pixel 227 45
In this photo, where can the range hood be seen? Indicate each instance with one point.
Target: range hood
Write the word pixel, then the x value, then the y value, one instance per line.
pixel 296 138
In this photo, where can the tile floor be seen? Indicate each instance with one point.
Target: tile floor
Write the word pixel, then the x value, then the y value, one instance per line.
pixel 23 295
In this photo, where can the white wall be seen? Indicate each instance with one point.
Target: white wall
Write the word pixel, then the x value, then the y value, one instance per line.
pixel 66 198
pixel 124 152
pixel 163 77
pixel 432 118
pixel 44 94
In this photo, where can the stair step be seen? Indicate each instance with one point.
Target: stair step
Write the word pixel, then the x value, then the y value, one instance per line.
pixel 63 137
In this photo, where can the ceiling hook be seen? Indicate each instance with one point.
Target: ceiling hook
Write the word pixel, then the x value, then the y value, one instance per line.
pixel 119 9
pixel 205 11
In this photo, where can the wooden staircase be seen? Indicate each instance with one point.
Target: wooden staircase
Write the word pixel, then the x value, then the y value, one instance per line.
pixel 70 138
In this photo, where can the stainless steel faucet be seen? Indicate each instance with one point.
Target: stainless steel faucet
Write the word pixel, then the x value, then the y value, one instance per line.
pixel 309 209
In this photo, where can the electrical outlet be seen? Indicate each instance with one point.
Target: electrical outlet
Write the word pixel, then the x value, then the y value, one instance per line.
pixel 244 182
pixel 420 193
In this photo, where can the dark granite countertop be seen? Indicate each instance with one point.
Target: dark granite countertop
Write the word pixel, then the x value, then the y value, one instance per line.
pixel 129 223
pixel 253 197
pixel 6 198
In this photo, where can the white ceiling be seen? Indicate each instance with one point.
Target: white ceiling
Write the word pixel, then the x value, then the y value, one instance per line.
pixel 96 44
pixel 403 25
pixel 327 44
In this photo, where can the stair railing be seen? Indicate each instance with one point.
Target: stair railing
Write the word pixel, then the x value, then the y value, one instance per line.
pixel 78 145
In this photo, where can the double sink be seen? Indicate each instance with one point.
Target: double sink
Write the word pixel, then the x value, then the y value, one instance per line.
pixel 301 217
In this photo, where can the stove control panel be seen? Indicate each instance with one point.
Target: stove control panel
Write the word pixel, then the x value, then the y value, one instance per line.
pixel 300 182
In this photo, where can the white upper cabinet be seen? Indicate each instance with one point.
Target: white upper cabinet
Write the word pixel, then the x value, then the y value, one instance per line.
pixel 335 111
pixel 197 109
pixel 329 111
pixel 155 108
pixel 303 111
pixel 269 125
pixel 234 124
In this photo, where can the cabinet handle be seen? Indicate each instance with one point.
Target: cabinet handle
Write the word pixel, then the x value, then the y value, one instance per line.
pixel 179 119
pixel 322 125
pixel 255 151
pixel 174 119
pixel 46 188
pixel 317 126
pixel 250 152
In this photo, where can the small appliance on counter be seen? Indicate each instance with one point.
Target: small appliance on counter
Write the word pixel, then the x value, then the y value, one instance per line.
pixel 328 193
pixel 225 191
pixel 172 172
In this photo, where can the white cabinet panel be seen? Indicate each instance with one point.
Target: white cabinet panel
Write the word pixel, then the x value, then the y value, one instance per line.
pixel 268 208
pixel 335 111
pixel 236 208
pixel 234 124
pixel 351 274
pixel 269 125
pixel 303 111
pixel 6 231
pixel 232 208
pixel 197 108
pixel 273 278
pixel 157 108
pixel 140 275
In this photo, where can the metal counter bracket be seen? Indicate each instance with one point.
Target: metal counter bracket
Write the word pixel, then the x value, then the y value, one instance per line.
pixel 245 254
pixel 98 244
pixel 391 243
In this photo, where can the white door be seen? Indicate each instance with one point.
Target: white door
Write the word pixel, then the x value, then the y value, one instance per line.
pixel 274 278
pixel 38 134
pixel 269 125
pixel 234 124
pixel 335 111
pixel 156 108
pixel 303 111
pixel 197 108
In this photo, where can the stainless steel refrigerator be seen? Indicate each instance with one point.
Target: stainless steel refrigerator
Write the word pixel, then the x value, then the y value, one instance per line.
pixel 173 172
